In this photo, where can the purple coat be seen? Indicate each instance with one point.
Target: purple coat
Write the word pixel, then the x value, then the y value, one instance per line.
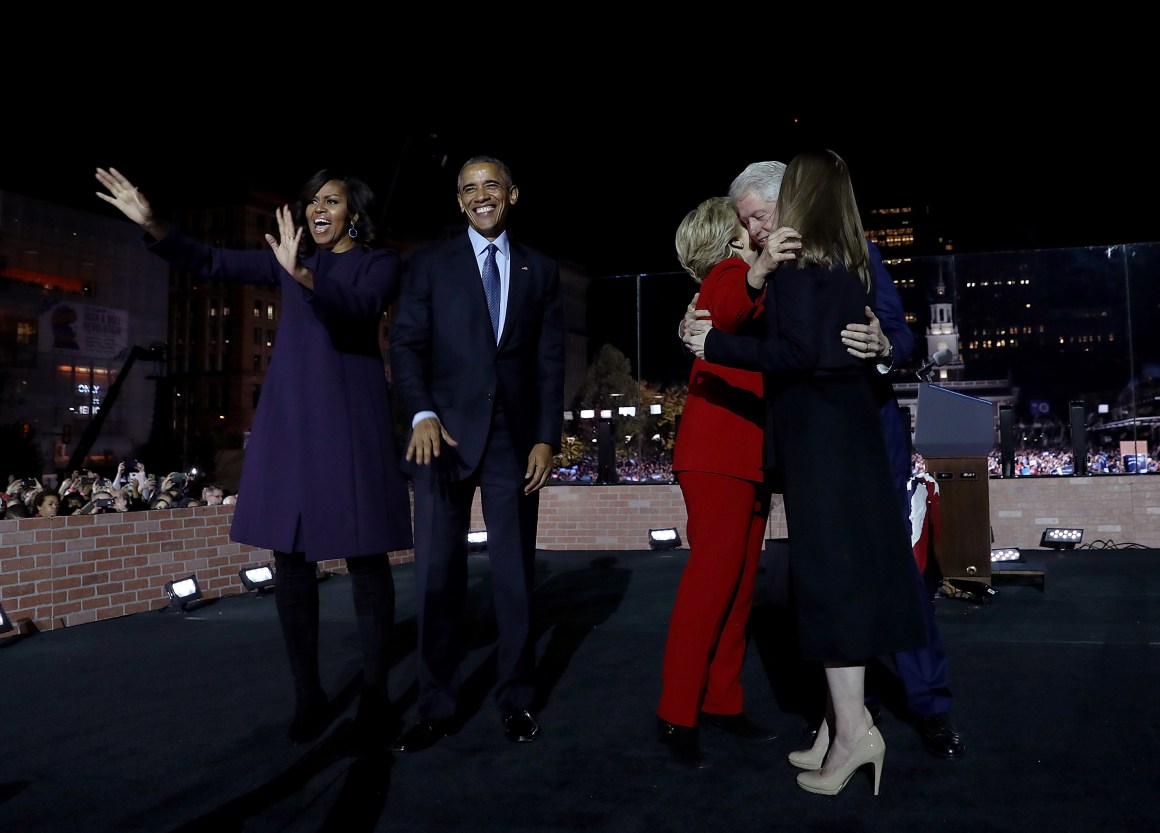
pixel 324 416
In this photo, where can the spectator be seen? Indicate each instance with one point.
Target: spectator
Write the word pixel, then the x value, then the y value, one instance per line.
pixel 47 504
pixel 71 503
pixel 162 501
pixel 16 509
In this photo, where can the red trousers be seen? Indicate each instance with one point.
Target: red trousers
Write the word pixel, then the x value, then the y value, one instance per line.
pixel 707 629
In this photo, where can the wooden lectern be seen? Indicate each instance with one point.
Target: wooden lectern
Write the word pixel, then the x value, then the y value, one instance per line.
pixel 954 433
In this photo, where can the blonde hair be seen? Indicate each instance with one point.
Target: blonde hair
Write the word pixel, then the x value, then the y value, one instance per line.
pixel 705 235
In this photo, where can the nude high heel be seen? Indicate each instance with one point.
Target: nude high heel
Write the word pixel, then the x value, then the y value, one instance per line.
pixel 811 759
pixel 871 749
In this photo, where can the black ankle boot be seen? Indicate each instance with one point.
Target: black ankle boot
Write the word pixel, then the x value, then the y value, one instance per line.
pixel 311 716
pixel 683 743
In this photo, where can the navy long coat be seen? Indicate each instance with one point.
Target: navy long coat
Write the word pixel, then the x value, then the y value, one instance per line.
pixel 321 469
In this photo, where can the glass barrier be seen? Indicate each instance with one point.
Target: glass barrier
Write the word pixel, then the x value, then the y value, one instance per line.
pixel 1062 342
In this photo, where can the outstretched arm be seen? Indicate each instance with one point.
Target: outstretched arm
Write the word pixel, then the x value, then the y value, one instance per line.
pixel 124 195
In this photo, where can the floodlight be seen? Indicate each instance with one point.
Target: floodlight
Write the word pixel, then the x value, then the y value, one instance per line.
pixel 257 578
pixel 665 538
pixel 184 591
pixel 1059 538
pixel 1006 554
pixel 477 540
pixel 12 632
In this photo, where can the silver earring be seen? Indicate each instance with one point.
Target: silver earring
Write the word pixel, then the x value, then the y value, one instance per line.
pixel 353 232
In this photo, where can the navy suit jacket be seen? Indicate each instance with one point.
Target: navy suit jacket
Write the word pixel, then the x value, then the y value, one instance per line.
pixel 888 308
pixel 444 356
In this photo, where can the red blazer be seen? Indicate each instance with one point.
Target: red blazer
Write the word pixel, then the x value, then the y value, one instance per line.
pixel 722 426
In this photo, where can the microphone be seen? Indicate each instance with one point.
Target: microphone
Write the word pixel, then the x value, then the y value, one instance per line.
pixel 939 359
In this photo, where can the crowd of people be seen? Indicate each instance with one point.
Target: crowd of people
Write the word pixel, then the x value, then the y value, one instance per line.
pixel 88 493
pixel 85 492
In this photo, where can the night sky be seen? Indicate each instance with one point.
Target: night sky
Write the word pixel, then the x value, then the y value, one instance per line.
pixel 604 182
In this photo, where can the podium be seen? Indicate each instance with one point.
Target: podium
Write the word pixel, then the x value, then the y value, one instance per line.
pixel 955 433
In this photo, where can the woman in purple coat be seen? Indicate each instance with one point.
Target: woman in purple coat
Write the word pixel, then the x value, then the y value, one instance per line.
pixel 324 408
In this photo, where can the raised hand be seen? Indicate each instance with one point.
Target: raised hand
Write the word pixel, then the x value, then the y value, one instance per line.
pixel 285 247
pixel 781 246
pixel 125 196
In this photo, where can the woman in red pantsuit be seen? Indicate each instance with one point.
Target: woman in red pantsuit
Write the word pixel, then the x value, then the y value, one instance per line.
pixel 717 459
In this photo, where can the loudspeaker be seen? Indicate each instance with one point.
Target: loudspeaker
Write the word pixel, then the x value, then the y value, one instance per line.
pixel 1078 438
pixel 1007 441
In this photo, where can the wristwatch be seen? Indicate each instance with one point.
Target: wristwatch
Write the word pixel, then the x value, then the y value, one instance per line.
pixel 884 363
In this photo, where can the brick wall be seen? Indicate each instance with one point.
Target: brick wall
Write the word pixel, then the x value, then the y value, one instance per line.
pixel 60 572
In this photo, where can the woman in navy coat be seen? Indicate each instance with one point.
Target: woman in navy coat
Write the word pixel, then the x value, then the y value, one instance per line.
pixel 324 409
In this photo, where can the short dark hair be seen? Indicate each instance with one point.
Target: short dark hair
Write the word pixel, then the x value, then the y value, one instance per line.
pixel 483 159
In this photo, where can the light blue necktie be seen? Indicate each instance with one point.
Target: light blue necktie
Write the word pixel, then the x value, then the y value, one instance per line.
pixel 491 286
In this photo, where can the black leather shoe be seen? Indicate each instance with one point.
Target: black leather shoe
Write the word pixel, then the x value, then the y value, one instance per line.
pixel 940 738
pixel 738 725
pixel 520 727
pixel 421 735
pixel 683 744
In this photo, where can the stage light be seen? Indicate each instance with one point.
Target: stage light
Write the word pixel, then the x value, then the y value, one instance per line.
pixel 665 538
pixel 12 632
pixel 1006 554
pixel 477 540
pixel 1060 538
pixel 184 591
pixel 257 578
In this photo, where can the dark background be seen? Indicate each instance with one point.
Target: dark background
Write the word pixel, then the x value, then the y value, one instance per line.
pixel 605 178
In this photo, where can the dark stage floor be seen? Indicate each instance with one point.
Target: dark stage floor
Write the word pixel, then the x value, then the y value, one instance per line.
pixel 169 722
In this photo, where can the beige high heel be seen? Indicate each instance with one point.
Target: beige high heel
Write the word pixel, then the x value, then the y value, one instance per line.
pixel 871 749
pixel 811 759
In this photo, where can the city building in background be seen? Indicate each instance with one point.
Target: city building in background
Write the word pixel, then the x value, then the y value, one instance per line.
pixel 83 320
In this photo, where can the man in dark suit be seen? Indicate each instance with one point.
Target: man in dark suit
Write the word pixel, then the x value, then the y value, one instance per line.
pixel 487 402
